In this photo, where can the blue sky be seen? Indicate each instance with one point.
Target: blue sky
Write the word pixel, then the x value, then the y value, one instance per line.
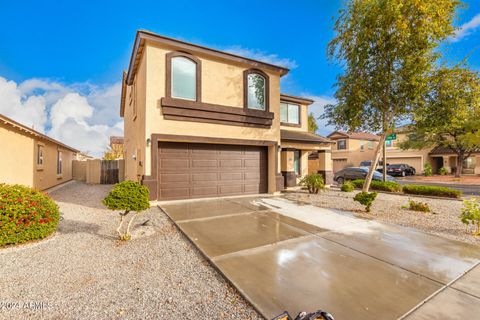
pixel 50 49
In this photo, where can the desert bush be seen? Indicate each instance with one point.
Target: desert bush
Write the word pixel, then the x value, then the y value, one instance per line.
pixel 388 186
pixel 432 191
pixel 443 171
pixel 127 196
pixel 418 206
pixel 313 182
pixel 25 214
pixel 427 170
pixel 366 199
pixel 471 214
pixel 347 186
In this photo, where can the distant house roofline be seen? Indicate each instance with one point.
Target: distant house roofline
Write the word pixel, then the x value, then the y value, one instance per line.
pixel 23 128
pixel 356 135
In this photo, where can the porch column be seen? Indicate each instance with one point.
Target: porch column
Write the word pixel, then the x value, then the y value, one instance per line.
pixel 477 165
pixel 288 170
pixel 325 166
pixel 446 164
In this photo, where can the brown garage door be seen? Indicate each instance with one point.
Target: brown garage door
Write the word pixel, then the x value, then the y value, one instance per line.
pixel 195 170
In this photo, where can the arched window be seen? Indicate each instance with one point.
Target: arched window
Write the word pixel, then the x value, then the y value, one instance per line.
pixel 183 76
pixel 256 91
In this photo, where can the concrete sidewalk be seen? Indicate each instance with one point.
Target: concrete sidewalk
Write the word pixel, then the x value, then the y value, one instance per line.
pixel 289 256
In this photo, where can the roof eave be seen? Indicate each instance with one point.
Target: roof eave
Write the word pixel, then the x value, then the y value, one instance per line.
pixel 150 36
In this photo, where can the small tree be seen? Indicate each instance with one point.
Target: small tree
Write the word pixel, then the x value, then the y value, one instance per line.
pixel 314 183
pixel 366 199
pixel 471 214
pixel 312 123
pixel 427 169
pixel 386 49
pixel 127 196
pixel 448 116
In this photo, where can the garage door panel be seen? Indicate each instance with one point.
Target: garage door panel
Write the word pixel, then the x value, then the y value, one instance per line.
pixel 415 162
pixel 188 170
pixel 231 190
pixel 174 164
pixel 231 176
pixel 204 176
pixel 231 163
pixel 174 177
pixel 174 193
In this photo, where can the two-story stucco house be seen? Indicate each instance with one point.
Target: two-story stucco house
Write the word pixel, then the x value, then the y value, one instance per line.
pixel 205 123
pixel 351 148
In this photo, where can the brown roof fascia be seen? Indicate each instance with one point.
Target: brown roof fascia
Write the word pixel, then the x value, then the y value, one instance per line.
pixel 33 132
pixel 123 95
pixel 143 35
pixel 295 99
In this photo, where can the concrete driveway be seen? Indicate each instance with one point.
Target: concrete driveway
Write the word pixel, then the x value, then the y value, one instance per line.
pixel 288 256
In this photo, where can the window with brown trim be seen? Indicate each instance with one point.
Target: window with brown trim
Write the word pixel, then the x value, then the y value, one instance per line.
pixel 256 90
pixel 59 163
pixel 289 113
pixel 40 155
pixel 183 72
pixel 342 144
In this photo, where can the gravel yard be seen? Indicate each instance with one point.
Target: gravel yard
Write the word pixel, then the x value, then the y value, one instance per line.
pixel 388 208
pixel 83 272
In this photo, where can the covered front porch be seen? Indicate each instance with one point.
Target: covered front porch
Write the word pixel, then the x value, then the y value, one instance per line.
pixel 295 148
pixel 443 157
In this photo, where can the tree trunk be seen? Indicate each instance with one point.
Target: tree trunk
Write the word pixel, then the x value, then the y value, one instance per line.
pixel 373 167
pixel 130 223
pixel 460 158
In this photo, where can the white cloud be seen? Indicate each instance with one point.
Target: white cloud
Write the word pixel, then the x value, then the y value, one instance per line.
pixel 261 56
pixel 466 29
pixel 317 108
pixel 82 115
pixel 28 110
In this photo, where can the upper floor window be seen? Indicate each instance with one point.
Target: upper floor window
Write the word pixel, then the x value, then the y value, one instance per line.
pixel 256 92
pixel 362 145
pixel 289 113
pixel 370 145
pixel 183 76
pixel 341 144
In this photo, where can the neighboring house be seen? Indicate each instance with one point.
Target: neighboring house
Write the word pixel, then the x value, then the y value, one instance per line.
pixel 31 158
pixel 205 123
pixel 438 156
pixel 351 148
pixel 116 149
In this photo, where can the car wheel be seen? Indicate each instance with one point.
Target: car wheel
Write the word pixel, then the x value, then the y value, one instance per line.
pixel 340 181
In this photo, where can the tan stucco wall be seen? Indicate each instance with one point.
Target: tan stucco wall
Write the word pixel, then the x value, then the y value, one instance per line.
pixel 94 171
pixel 134 126
pixel 47 177
pixel 19 160
pixel 79 170
pixel 221 84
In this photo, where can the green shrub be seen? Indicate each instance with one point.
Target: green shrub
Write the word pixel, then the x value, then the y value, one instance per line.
pixel 471 214
pixel 347 186
pixel 432 191
pixel 427 169
pixel 388 186
pixel 127 196
pixel 25 214
pixel 443 171
pixel 314 182
pixel 418 206
pixel 366 199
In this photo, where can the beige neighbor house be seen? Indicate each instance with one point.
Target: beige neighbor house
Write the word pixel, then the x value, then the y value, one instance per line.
pixel 351 148
pixel 438 157
pixel 205 123
pixel 31 158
